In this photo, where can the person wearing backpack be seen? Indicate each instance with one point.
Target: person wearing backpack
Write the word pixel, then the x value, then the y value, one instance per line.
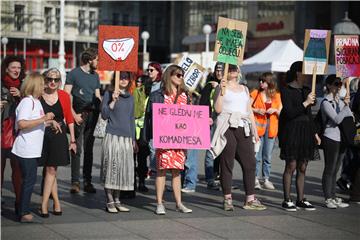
pixel 333 111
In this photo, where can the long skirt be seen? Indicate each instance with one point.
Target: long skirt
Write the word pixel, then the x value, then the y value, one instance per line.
pixel 117 163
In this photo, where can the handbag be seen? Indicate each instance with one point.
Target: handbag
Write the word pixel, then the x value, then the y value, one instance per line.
pixel 7 133
pixel 100 128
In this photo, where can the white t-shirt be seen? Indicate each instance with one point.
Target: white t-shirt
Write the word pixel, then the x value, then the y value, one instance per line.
pixel 236 102
pixel 29 142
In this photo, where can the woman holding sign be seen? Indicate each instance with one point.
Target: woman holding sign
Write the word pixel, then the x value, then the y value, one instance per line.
pixel 171 92
pixel 119 144
pixel 297 135
pixel 236 124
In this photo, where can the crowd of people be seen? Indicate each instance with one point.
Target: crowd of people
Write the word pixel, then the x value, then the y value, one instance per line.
pixel 42 125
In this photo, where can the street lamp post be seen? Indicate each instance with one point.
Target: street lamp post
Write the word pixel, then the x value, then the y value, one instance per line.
pixel 61 46
pixel 4 41
pixel 145 36
pixel 206 30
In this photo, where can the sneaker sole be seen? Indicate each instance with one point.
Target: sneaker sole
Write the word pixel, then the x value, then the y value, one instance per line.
pixel 160 213
pixel 307 209
pixel 290 210
pixel 256 209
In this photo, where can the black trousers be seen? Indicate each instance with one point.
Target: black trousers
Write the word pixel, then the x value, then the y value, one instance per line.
pixel 141 158
pixel 84 138
pixel 240 148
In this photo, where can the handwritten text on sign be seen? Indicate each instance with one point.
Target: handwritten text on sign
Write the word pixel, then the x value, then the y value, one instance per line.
pixel 181 126
pixel 193 72
pixel 347 57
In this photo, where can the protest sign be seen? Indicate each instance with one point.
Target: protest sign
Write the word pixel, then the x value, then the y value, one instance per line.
pixel 347 57
pixel 178 126
pixel 316 51
pixel 230 41
pixel 193 72
pixel 118 48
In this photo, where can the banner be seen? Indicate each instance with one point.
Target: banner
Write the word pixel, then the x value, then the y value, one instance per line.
pixel 178 126
pixel 118 48
pixel 193 72
pixel 316 51
pixel 347 57
pixel 230 41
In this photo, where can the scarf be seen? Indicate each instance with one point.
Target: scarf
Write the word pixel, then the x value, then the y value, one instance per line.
pixel 9 82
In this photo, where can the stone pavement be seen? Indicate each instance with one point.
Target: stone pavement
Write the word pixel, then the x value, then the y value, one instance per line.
pixel 84 215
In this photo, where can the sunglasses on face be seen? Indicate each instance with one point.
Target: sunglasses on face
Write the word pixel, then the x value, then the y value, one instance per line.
pixel 49 79
pixel 150 69
pixel 179 75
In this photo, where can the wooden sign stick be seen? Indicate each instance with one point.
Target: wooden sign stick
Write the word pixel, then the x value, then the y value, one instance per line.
pixel 313 86
pixel 225 77
pixel 347 85
pixel 117 81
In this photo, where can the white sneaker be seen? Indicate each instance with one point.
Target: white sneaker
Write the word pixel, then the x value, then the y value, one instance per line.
pixel 257 184
pixel 268 185
pixel 160 209
pixel 187 190
pixel 339 202
pixel 330 203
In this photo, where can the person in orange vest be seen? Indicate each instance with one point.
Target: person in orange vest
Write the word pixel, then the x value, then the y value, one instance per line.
pixel 266 105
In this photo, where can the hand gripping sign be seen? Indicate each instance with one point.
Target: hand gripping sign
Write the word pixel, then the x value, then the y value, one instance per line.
pixel 118 48
pixel 193 72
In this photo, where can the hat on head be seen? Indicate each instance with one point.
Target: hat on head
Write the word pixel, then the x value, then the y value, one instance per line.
pixel 219 66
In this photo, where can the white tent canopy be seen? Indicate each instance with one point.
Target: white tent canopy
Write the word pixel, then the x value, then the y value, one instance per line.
pixel 276 57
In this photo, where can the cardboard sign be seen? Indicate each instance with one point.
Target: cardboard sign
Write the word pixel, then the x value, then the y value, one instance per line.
pixel 178 126
pixel 230 41
pixel 316 51
pixel 118 48
pixel 193 72
pixel 347 58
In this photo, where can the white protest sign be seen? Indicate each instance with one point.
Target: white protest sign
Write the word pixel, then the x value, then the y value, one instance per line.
pixel 193 72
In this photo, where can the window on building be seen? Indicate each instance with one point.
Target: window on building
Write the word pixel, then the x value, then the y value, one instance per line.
pixel 207 19
pixel 92 22
pixel 81 26
pixel 57 17
pixel 115 20
pixel 125 19
pixel 48 15
pixel 19 17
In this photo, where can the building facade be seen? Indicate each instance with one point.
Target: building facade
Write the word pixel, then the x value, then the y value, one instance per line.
pixel 32 29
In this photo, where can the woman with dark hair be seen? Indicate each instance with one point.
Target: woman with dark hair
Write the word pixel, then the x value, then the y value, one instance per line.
pixel 12 74
pixel 172 92
pixel 266 105
pixel 333 110
pixel 119 144
pixel 297 135
pixel 155 73
pixel 56 147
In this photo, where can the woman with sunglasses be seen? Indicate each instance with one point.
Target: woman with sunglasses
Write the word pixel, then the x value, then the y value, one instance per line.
pixel 266 105
pixel 56 147
pixel 333 111
pixel 235 123
pixel 172 92
pixel 119 144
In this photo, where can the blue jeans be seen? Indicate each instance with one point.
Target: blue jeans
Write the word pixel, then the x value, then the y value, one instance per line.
pixel 152 156
pixel 264 154
pixel 28 168
pixel 191 171
pixel 209 162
